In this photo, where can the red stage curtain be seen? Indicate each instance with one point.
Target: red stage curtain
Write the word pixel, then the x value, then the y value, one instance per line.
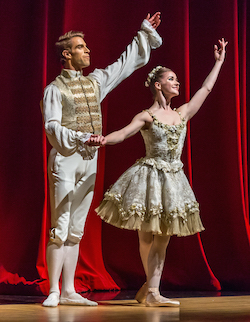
pixel 215 155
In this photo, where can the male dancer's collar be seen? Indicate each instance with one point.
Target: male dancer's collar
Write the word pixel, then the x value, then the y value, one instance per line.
pixel 71 73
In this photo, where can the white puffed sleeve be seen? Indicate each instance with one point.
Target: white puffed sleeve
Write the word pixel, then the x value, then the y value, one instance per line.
pixel 135 56
pixel 64 140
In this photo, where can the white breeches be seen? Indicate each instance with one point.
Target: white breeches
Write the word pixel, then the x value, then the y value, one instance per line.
pixel 71 181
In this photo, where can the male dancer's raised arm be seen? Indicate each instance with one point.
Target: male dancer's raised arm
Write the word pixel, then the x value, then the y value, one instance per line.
pixel 67 140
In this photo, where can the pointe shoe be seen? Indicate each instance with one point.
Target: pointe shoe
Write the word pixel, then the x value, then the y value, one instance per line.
pixel 155 299
pixel 52 300
pixel 141 295
pixel 76 299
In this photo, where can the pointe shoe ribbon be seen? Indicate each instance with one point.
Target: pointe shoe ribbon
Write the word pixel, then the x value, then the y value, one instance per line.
pixel 155 299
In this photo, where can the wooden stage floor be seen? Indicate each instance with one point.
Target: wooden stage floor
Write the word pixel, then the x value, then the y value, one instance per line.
pixel 123 308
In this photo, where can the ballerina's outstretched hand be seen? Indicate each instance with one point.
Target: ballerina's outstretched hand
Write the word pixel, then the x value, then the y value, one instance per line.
pixel 219 53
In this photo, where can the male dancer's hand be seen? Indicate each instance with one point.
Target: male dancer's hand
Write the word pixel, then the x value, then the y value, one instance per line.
pixel 155 20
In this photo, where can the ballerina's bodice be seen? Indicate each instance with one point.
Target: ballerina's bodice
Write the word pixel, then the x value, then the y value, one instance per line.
pixel 164 141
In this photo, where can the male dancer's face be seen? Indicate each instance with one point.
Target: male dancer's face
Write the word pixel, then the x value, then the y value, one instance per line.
pixel 79 54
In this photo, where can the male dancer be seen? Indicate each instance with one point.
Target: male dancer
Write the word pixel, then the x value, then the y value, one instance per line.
pixel 72 113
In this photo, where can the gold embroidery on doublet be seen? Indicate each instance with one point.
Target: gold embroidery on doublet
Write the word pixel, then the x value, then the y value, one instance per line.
pixel 80 101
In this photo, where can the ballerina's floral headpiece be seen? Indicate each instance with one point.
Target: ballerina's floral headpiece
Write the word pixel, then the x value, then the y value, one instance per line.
pixel 152 75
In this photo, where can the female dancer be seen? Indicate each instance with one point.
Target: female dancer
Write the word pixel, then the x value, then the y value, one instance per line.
pixel 154 196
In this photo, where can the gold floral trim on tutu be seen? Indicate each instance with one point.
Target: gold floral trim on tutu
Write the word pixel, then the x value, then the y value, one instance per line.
pixel 145 215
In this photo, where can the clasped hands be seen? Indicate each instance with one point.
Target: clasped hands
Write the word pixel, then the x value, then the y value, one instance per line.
pixel 96 140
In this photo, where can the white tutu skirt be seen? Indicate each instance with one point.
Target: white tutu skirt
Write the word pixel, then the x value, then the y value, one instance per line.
pixel 152 197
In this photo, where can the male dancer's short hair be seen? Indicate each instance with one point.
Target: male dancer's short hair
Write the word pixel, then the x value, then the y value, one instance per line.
pixel 64 42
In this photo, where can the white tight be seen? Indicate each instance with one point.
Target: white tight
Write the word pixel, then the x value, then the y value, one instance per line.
pixel 62 259
pixel 72 181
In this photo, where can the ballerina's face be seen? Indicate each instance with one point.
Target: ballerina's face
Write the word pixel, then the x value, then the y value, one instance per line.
pixel 170 84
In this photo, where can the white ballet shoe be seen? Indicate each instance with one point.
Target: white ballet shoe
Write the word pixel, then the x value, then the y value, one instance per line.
pixel 52 300
pixel 76 299
pixel 141 295
pixel 155 299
